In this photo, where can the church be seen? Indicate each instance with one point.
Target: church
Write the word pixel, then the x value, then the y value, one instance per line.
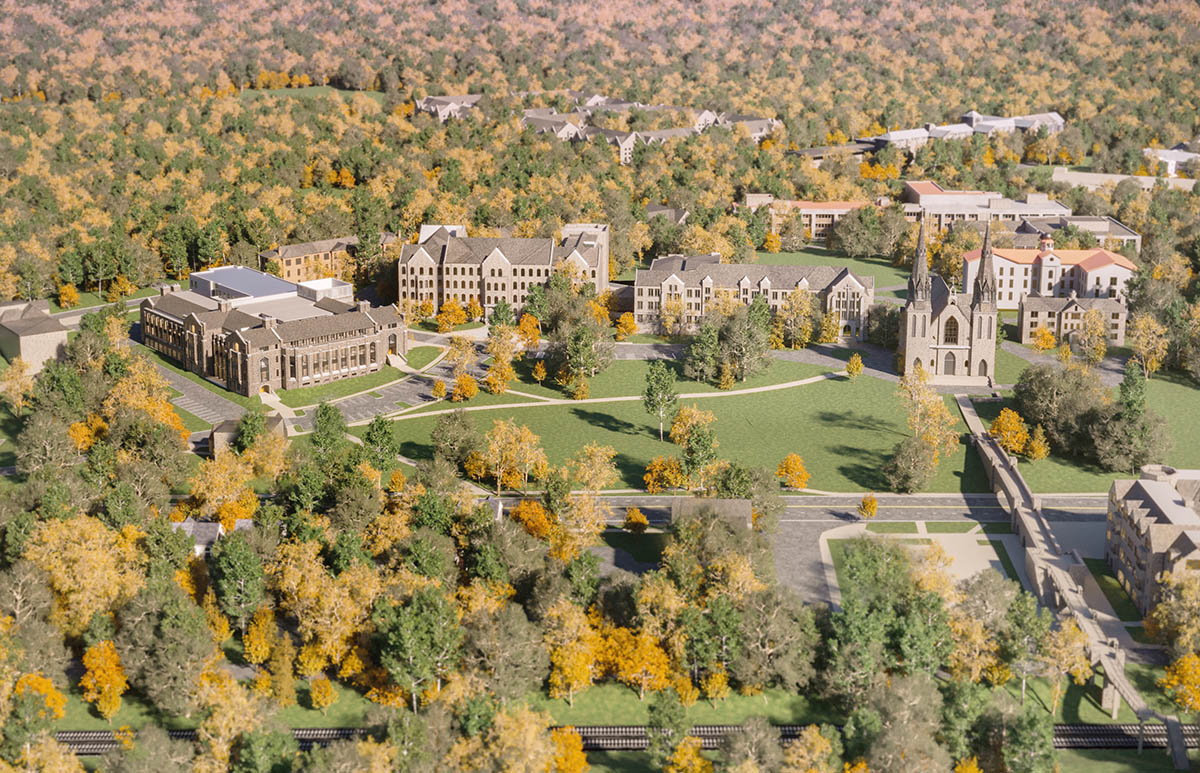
pixel 951 335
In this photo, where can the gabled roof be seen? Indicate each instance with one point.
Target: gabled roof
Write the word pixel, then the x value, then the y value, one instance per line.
pixel 1088 260
pixel 1059 305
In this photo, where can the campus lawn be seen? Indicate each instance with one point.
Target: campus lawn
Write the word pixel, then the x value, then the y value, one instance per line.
pixel 600 704
pixel 949 527
pixel 1010 570
pixel 1126 611
pixel 1109 761
pixel 1144 677
pixel 89 299
pixel 10 428
pixel 844 430
pixel 249 403
pixel 321 393
pixel 1078 704
pixel 420 356
pixel 1008 366
pixel 430 326
pixel 1168 394
pixel 892 527
pixel 886 275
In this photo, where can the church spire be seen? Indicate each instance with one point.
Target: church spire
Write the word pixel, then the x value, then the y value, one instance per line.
pixel 985 278
pixel 919 284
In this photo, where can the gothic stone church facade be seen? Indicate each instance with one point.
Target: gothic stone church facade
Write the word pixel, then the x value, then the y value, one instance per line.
pixel 951 335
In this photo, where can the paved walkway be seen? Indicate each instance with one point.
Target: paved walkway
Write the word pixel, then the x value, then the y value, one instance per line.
pixel 198 401
pixel 1110 370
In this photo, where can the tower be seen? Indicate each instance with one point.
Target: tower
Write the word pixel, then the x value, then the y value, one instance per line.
pixel 983 312
pixel 914 335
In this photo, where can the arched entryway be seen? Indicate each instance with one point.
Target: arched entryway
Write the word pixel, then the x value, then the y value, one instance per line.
pixel 983 368
pixel 392 344
pixel 948 364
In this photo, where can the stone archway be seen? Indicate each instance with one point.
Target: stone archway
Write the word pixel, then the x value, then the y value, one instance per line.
pixel 948 364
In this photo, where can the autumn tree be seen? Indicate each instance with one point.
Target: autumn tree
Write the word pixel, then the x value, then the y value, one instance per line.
pixel 1010 431
pixel 868 507
pixel 1043 339
pixel 502 347
pixel 854 367
pixel 321 694
pixel 16 384
pixel 1182 682
pixel 1147 337
pixel 792 473
pixel 450 316
pixel 626 326
pixel 575 649
pixel 660 394
pixel 1093 337
pixel 635 521
pixel 1064 653
pixel 103 680
pixel 1037 447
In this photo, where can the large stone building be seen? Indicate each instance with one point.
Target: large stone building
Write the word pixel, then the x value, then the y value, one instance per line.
pixel 818 217
pixel 1050 272
pixel 28 331
pixel 697 281
pixel 941 208
pixel 951 335
pixel 445 264
pixel 252 332
pixel 316 260
pixel 1064 316
pixel 1153 527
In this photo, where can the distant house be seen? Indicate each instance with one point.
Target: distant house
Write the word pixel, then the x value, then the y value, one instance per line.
pixel 625 141
pixel 659 136
pixel 941 208
pixel 448 106
pixel 673 215
pixel 990 124
pixel 28 331
pixel 854 150
pixel 558 125
pixel 1109 233
pixel 905 139
pixel 759 128
pixel 204 534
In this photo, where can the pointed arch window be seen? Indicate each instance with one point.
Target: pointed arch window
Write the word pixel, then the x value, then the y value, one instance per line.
pixel 950 332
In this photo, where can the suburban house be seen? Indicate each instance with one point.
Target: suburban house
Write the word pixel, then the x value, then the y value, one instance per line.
pixel 252 332
pixel 1050 272
pixel 315 260
pixel 561 126
pixel 1064 316
pixel 673 215
pixel 952 336
pixel 625 141
pixel 989 124
pixel 1153 527
pixel 446 264
pixel 818 217
pixel 696 281
pixel 28 331
pixel 941 208
pixel 759 128
pixel 448 106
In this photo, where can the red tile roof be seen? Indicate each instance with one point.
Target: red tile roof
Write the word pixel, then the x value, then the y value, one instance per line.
pixel 1088 260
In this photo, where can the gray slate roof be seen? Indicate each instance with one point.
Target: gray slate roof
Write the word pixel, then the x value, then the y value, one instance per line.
pixel 729 274
pixel 1059 305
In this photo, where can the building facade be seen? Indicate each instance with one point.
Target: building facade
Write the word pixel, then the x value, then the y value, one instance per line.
pixel 940 208
pixel 818 217
pixel 1050 272
pixel 445 264
pixel 699 281
pixel 1064 316
pixel 321 259
pixel 28 331
pixel 1153 527
pixel 952 336
pixel 252 332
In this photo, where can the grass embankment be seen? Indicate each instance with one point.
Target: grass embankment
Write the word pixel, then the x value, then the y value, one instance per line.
pixel 1120 601
pixel 420 356
pixel 844 430
pixel 303 397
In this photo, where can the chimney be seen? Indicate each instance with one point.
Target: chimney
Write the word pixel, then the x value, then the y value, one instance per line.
pixel 224 305
pixel 1046 243
pixel 268 321
pixel 364 306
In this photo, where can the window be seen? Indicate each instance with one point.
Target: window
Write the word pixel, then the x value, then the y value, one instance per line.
pixel 950 332
pixel 264 370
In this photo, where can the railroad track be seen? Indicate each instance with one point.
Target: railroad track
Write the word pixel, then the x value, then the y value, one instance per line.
pixel 636 737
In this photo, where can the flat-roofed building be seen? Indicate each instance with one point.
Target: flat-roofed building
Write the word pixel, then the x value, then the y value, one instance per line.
pixel 445 264
pixel 941 208
pixel 28 331
pixel 1064 316
pixel 1175 160
pixel 253 332
pixel 697 281
pixel 319 259
pixel 818 217
pixel 1153 527
pixel 1051 272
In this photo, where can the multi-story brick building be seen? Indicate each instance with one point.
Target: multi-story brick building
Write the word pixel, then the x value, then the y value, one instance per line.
pixel 1064 316
pixel 1050 272
pixel 253 332
pixel 697 281
pixel 317 260
pixel 445 264
pixel 1153 527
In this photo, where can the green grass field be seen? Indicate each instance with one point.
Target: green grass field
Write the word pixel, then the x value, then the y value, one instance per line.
pixel 1112 761
pixel 306 396
pixel 1126 611
pixel 420 356
pixel 89 299
pixel 1008 366
pixel 892 527
pixel 949 527
pixel 844 430
pixel 602 703
pixel 886 275
pixel 1169 394
pixel 1010 570
pixel 10 428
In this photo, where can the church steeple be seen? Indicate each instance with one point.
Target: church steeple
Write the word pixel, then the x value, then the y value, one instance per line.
pixel 985 279
pixel 919 284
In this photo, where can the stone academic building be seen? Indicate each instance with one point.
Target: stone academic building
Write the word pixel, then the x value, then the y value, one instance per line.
pixel 252 332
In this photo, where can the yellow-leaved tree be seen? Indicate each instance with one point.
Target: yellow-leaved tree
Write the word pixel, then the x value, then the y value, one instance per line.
pixel 1010 431
pixel 793 472
pixel 104 679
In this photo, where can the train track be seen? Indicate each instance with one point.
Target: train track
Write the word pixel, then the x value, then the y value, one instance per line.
pixel 610 738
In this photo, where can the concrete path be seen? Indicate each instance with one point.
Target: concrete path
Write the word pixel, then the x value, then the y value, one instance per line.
pixel 1110 370
pixel 198 401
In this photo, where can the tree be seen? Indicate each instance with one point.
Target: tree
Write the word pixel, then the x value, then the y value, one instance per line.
pixel 928 417
pixel 455 437
pixel 868 231
pixel 1037 448
pixel 1093 337
pixel 635 521
pixel 256 642
pixel 568 751
pixel 321 694
pixel 792 473
pixel 1063 653
pixel 1176 617
pixel 868 507
pixel 530 330
pixel 465 387
pixel 502 314
pixel 164 644
pixel 380 440
pixel 36 705
pixel 812 751
pixel 1182 682
pixel 104 680
pixel 419 641
pixel 1147 337
pixel 701 359
pixel 450 316
pixel 329 431
pixel 671 314
pixel 660 394
pixel 854 367
pixel 640 662
pixel 237 577
pixel 666 727
pixel 1043 339
pixel 1029 742
pixel 439 389
pixel 626 326
pixel 539 372
pixel 502 347
pixel 16 384
pixel 1010 431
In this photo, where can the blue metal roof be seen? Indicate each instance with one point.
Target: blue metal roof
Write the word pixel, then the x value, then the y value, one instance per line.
pixel 245 280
